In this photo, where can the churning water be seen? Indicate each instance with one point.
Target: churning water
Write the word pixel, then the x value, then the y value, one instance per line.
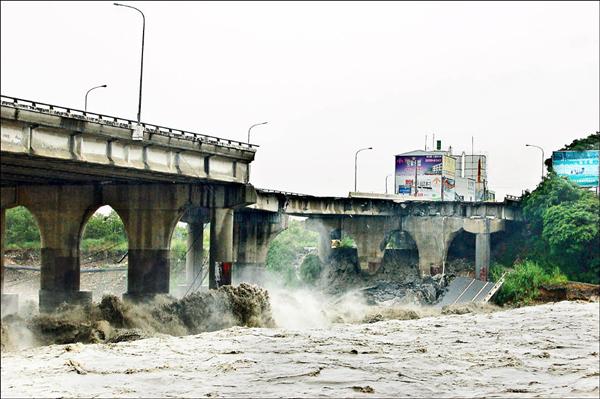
pixel 546 351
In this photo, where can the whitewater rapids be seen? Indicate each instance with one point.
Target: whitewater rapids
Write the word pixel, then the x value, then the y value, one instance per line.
pixel 546 351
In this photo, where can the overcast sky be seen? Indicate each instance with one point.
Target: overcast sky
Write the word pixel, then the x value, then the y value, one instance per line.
pixel 328 77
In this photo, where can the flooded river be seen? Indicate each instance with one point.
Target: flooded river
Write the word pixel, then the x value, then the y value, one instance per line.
pixel 545 351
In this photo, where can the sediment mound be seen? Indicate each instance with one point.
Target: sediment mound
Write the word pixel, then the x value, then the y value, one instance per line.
pixel 113 320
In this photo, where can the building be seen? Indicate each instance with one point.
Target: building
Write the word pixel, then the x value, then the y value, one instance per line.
pixel 441 176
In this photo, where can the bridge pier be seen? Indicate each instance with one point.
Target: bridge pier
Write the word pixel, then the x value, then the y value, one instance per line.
pixel 194 257
pixel 221 247
pixel 370 234
pixel 433 235
pixel 9 302
pixel 61 212
pixel 149 213
pixel 253 232
pixel 483 229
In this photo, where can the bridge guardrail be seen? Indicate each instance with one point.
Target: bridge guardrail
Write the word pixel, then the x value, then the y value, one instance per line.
pixel 58 110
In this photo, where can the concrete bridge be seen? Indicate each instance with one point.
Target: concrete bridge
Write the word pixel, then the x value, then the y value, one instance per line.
pixel 63 164
pixel 371 222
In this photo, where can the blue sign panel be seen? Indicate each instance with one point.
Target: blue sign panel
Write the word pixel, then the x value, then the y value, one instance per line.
pixel 581 167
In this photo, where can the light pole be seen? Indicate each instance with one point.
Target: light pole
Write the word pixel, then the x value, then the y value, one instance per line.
pixel 532 145
pixel 139 114
pixel 386 184
pixel 88 92
pixel 355 159
pixel 250 128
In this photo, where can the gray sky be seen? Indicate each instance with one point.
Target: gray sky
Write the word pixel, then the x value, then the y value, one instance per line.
pixel 329 77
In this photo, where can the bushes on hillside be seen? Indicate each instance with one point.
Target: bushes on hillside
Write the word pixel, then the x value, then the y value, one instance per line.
pixel 521 284
pixel 563 228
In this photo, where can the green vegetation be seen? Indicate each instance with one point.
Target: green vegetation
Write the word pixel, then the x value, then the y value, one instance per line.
pixel 591 142
pixel 561 239
pixel 563 229
pixel 21 229
pixel 311 269
pixel 521 284
pixel 286 249
pixel 347 242
pixel 104 232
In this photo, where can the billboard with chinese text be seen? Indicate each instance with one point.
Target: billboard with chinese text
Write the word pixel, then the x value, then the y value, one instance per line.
pixel 580 167
pixel 426 170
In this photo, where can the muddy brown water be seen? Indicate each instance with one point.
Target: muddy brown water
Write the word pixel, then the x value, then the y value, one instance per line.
pixel 549 350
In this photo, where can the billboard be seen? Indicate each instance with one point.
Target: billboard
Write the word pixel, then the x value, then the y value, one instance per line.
pixel 580 167
pixel 448 188
pixel 425 169
pixel 449 166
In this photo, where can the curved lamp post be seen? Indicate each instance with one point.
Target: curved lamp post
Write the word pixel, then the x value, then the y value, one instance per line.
pixel 536 146
pixel 88 92
pixel 386 183
pixel 355 160
pixel 139 114
pixel 250 128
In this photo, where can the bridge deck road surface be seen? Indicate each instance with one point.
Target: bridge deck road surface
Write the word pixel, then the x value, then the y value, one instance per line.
pixel 464 290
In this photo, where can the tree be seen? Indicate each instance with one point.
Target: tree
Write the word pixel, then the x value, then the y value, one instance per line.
pixel 311 268
pixel 286 248
pixel 21 229
pixel 563 228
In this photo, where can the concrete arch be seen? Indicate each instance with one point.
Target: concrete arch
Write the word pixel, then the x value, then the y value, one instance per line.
pixel 462 245
pixel 59 212
pixel 87 256
pixel 10 300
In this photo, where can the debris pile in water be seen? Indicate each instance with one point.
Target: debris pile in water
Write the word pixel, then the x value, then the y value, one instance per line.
pixel 113 320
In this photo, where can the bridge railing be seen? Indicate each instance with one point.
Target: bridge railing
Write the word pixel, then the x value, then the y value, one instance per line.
pixel 512 197
pixel 288 193
pixel 94 117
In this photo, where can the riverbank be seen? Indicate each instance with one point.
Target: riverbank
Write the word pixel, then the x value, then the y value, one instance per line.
pixel 549 350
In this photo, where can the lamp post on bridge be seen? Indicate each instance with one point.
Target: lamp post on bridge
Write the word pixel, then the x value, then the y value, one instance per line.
pixel 536 146
pixel 386 183
pixel 250 128
pixel 355 160
pixel 88 92
pixel 139 114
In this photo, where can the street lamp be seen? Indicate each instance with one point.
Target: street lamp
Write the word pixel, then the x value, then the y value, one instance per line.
pixel 532 145
pixel 250 128
pixel 88 92
pixel 355 159
pixel 386 184
pixel 139 114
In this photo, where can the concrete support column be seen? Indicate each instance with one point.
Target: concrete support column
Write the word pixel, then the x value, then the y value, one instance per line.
pixel 433 235
pixel 483 228
pixel 60 212
pixel 253 232
pixel 482 255
pixel 9 302
pixel 221 243
pixel 195 255
pixel 149 213
pixel 370 252
pixel 2 232
pixel 369 233
pixel 149 233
